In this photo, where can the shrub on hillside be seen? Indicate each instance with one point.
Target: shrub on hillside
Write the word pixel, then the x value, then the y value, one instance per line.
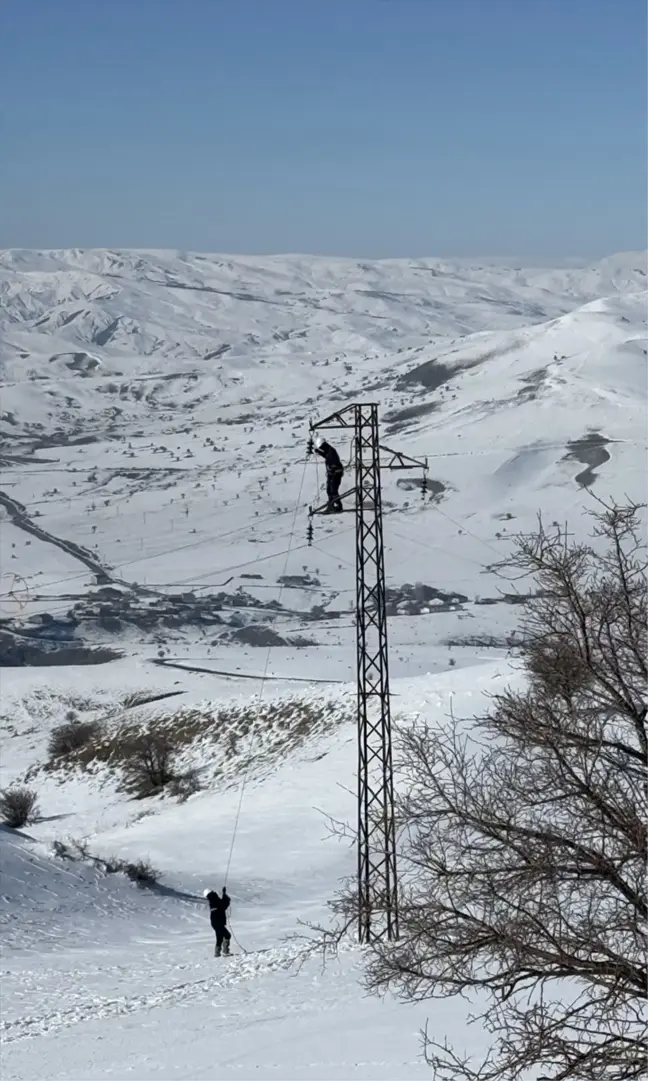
pixel 71 736
pixel 143 755
pixel 149 762
pixel 138 698
pixel 142 872
pixel 18 807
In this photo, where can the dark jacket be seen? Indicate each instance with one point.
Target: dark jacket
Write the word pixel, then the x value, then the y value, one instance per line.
pixel 331 457
pixel 218 906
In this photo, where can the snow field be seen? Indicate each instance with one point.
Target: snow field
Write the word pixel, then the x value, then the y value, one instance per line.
pixel 155 412
pixel 89 952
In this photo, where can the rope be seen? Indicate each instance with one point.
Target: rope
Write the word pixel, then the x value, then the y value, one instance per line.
pixel 263 681
pixel 351 446
pixel 265 674
pixel 241 948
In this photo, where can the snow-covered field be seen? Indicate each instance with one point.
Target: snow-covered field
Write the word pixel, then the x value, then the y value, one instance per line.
pixel 103 980
pixel 155 490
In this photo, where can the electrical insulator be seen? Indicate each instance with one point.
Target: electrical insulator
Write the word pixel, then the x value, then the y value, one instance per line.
pixel 309 533
pixel 424 486
pixel 309 448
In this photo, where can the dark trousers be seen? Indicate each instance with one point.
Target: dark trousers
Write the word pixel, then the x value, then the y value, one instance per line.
pixel 333 482
pixel 221 932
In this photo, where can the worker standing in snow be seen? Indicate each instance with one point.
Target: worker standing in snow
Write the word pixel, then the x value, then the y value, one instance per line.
pixel 334 474
pixel 218 907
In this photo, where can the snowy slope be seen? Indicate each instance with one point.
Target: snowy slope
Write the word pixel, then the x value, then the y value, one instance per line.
pixel 154 495
pixel 103 980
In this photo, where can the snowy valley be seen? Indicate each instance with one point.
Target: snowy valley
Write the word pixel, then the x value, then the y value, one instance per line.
pixel 154 506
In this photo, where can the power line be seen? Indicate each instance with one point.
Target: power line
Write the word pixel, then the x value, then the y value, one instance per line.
pixel 465 529
pixel 194 579
pixel 115 470
pixel 182 547
pixel 475 452
pixel 41 598
pixel 60 607
pixel 435 548
pixel 191 545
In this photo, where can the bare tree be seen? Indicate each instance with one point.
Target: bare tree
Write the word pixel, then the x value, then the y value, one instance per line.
pixel 149 762
pixel 71 736
pixel 523 834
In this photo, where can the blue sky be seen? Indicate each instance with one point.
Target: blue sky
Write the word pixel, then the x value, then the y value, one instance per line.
pixel 371 128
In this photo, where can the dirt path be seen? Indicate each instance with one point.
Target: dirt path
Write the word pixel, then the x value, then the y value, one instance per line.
pixel 20 518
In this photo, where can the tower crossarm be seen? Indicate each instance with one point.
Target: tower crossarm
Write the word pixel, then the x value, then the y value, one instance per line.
pixel 397 460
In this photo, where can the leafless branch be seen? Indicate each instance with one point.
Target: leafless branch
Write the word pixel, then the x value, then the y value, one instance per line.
pixel 523 837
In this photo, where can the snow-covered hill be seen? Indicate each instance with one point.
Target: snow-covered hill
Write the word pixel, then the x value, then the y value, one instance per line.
pixel 155 412
pixel 154 504
pixel 103 980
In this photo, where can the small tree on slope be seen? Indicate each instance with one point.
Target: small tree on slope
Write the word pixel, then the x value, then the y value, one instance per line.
pixel 524 836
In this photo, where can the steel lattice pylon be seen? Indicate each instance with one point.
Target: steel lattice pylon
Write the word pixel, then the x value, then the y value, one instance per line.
pixel 377 875
pixel 377 864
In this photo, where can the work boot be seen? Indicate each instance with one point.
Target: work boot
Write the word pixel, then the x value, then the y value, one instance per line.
pixel 226 947
pixel 217 951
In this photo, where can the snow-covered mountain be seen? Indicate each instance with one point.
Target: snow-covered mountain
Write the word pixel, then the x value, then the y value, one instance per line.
pixel 154 506
pixel 155 413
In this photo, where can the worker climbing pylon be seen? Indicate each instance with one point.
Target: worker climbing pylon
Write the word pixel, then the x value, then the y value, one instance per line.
pixel 334 474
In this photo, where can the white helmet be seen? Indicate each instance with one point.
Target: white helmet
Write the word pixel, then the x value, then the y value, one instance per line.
pixel 206 893
pixel 319 441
